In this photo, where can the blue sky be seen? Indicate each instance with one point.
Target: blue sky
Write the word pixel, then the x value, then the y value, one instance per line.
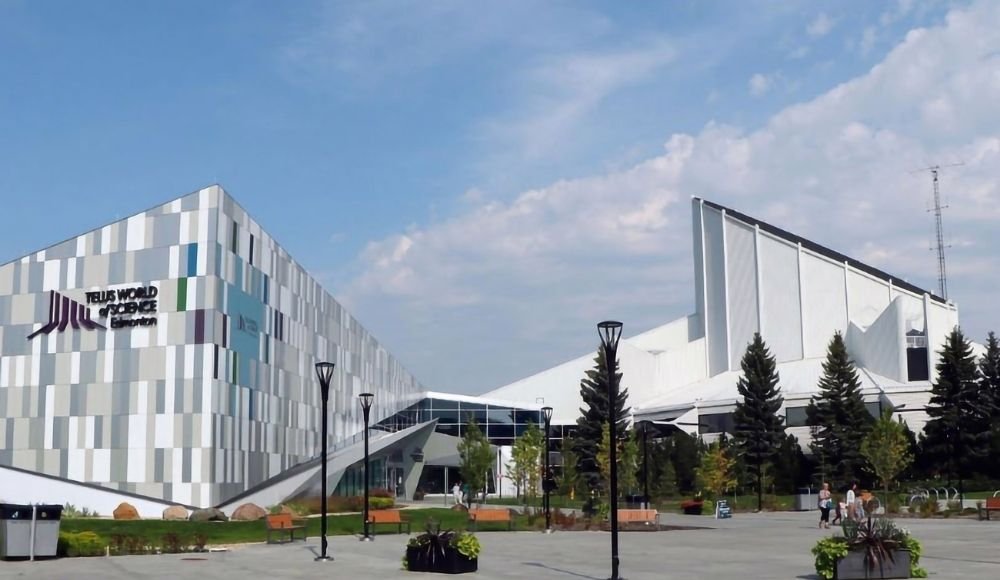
pixel 450 169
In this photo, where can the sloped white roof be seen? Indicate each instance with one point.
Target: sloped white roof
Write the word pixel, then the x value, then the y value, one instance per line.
pixel 797 380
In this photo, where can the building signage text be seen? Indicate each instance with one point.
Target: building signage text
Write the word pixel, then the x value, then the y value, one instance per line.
pixel 126 307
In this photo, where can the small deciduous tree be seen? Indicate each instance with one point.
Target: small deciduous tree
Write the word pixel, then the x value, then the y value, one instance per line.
pixel 887 449
pixel 526 461
pixel 475 457
pixel 569 479
pixel 627 453
pixel 717 473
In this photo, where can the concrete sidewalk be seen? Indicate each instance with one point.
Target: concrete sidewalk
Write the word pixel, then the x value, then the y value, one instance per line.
pixel 749 546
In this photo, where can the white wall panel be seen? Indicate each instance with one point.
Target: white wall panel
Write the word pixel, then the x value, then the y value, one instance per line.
pixel 715 284
pixel 866 297
pixel 699 264
pixel 741 270
pixel 879 348
pixel 911 309
pixel 825 303
pixel 782 318
pixel 940 322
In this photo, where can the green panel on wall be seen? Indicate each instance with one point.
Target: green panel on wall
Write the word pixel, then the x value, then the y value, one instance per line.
pixel 182 294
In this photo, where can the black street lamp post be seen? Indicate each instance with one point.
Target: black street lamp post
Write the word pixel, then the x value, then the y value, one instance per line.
pixel 366 400
pixel 610 332
pixel 546 484
pixel 324 371
pixel 645 465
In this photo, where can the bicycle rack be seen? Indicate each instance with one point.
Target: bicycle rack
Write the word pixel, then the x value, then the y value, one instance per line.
pixel 996 493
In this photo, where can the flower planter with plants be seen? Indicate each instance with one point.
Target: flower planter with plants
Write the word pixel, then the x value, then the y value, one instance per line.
pixel 446 552
pixel 874 548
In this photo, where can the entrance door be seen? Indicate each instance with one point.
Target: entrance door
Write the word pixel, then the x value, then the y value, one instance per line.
pixel 396 481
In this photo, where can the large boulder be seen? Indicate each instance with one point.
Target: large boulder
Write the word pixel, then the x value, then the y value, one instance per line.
pixel 175 513
pixel 126 511
pixel 249 512
pixel 208 515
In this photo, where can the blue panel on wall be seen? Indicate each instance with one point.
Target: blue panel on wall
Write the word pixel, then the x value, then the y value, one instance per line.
pixel 192 260
pixel 247 315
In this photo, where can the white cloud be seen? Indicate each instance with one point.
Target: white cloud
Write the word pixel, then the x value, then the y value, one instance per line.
pixel 530 275
pixel 557 93
pixel 759 84
pixel 820 26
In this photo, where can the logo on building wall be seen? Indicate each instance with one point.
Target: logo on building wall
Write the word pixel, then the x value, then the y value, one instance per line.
pixel 63 313
pixel 247 324
pixel 127 307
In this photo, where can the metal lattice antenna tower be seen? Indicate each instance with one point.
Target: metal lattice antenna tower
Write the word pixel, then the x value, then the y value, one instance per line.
pixel 939 227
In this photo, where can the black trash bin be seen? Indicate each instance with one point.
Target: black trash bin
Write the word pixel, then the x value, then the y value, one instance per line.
pixel 15 530
pixel 47 518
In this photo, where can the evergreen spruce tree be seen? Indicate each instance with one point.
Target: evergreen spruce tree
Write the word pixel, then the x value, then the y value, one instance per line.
pixel 686 458
pixel 788 465
pixel 838 413
pixel 989 369
pixel 958 430
pixel 594 414
pixel 758 428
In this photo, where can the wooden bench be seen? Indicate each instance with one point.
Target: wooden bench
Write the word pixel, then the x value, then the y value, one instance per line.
pixel 388 517
pixel 992 505
pixel 648 517
pixel 283 525
pixel 490 515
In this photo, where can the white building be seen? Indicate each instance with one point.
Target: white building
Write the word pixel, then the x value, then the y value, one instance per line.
pixel 752 277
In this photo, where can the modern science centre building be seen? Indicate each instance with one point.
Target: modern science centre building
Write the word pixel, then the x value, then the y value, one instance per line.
pixel 168 358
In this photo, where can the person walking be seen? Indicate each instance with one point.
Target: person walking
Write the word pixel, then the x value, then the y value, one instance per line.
pixel 825 503
pixel 851 501
pixel 456 492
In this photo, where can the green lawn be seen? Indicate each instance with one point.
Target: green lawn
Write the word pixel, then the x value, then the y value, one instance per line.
pixel 242 532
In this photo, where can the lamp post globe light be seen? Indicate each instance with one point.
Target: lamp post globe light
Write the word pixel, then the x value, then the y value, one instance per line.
pixel 546 479
pixel 324 371
pixel 610 332
pixel 366 400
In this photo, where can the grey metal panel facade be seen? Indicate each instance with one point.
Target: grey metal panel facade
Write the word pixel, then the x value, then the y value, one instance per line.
pixel 217 396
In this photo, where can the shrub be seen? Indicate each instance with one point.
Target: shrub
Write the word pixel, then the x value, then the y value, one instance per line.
pixel 913 546
pixel 827 551
pixel 380 492
pixel 892 504
pixel 71 512
pixel 381 503
pixel 467 545
pixel 172 543
pixel 929 508
pixel 79 544
pixel 129 545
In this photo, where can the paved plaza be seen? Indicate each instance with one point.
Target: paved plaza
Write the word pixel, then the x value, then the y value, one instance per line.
pixel 768 546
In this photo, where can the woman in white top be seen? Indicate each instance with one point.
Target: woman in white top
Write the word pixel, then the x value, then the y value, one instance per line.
pixel 851 501
pixel 825 503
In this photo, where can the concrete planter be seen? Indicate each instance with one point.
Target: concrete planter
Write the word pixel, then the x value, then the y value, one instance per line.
pixel 448 561
pixel 853 567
